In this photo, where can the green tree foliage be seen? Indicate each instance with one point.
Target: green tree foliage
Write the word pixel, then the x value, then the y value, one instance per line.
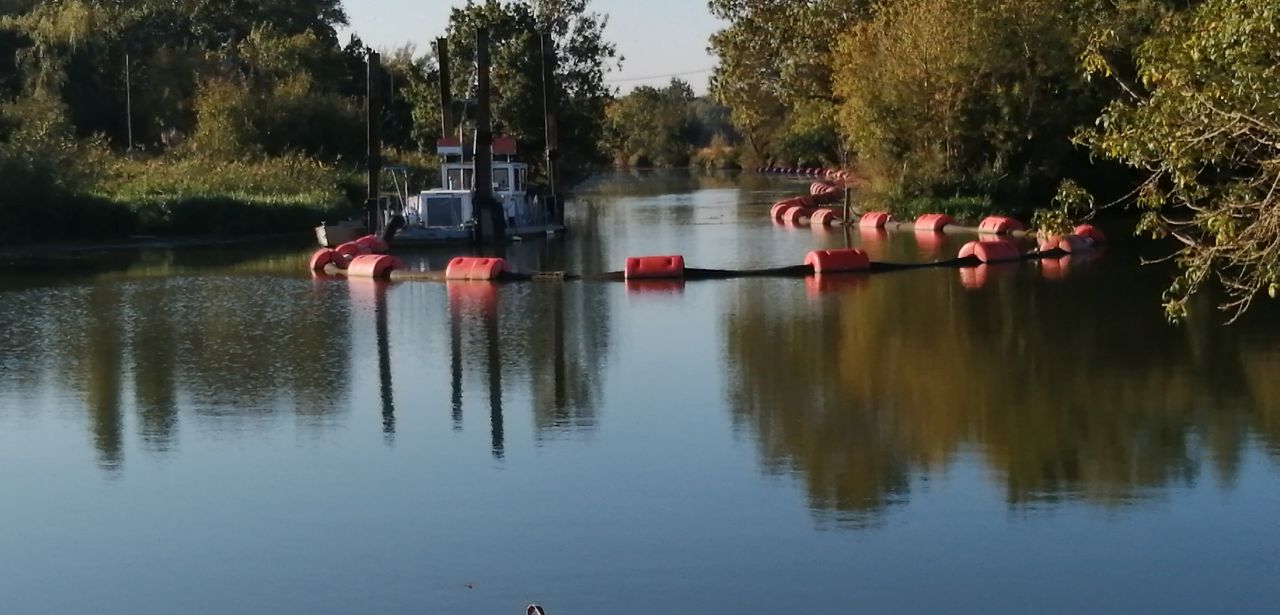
pixel 285 99
pixel 82 50
pixel 206 82
pixel 583 58
pixel 651 126
pixel 665 126
pixel 1206 127
pixel 977 97
pixel 775 75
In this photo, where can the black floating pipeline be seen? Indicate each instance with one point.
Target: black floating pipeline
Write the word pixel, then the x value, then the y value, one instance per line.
pixel 816 263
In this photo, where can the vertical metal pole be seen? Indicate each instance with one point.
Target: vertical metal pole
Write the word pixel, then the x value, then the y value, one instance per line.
pixel 128 101
pixel 446 85
pixel 492 225
pixel 549 107
pixel 373 124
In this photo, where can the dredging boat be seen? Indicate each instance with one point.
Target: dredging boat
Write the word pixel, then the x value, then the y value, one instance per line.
pixel 448 214
pixel 484 192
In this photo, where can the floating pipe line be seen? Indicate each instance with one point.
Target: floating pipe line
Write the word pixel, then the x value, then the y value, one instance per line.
pixel 366 257
pixel 368 266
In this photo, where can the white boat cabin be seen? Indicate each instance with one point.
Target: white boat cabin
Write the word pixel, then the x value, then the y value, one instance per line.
pixel 450 206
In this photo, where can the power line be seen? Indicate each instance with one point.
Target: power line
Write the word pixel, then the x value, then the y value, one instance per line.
pixel 688 72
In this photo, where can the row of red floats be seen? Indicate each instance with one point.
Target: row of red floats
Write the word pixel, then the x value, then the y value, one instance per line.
pixel 810 208
pixel 365 257
pixel 829 173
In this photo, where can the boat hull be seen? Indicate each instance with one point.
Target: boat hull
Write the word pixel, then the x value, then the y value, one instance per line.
pixel 432 236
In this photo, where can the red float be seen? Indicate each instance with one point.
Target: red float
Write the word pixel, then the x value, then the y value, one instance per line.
pixel 351 250
pixel 824 217
pixel 875 219
pixel 820 188
pixel 324 257
pixel 654 267
pixel 991 251
pixel 933 222
pixel 1048 242
pixel 796 215
pixel 837 261
pixel 1090 231
pixel 999 225
pixel 1072 244
pixel 372 266
pixel 475 268
pixel 785 212
pixel 374 244
pixel 780 208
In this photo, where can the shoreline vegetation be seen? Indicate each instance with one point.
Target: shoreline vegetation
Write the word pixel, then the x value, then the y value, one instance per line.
pixel 176 117
pixel 195 118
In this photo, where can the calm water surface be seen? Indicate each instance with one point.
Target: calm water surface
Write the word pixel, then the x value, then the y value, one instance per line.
pixel 212 431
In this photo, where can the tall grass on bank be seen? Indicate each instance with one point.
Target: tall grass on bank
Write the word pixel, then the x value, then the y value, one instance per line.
pixel 196 196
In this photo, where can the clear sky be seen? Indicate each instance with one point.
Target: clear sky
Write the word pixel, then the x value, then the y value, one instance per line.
pixel 655 37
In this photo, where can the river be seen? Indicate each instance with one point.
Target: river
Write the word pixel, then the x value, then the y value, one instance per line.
pixel 212 431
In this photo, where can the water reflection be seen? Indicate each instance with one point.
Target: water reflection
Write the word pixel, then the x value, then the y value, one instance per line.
pixel 476 305
pixel 1067 390
pixel 226 351
pixel 386 388
pixel 101 375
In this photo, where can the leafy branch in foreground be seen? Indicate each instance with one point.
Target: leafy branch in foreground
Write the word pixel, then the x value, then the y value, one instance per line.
pixel 1208 133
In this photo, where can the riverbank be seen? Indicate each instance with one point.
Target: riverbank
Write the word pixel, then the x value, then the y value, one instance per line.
pixel 173 198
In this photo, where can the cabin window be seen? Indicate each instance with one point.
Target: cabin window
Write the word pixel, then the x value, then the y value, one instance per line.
pixel 520 179
pixel 454 179
pixel 502 179
pixel 443 211
pixel 468 179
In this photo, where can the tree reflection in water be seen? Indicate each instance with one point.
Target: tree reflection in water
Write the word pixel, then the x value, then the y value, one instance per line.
pixel 1068 389
pixel 227 349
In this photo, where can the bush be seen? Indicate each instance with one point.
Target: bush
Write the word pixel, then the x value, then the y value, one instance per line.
pixel 195 196
pixel 720 154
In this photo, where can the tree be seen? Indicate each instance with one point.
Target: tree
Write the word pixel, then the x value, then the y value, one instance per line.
pixel 1206 127
pixel 79 50
pixel 978 97
pixel 774 66
pixel 583 58
pixel 652 126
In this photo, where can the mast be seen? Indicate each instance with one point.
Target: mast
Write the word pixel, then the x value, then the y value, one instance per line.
pixel 492 225
pixel 446 93
pixel 373 122
pixel 553 134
